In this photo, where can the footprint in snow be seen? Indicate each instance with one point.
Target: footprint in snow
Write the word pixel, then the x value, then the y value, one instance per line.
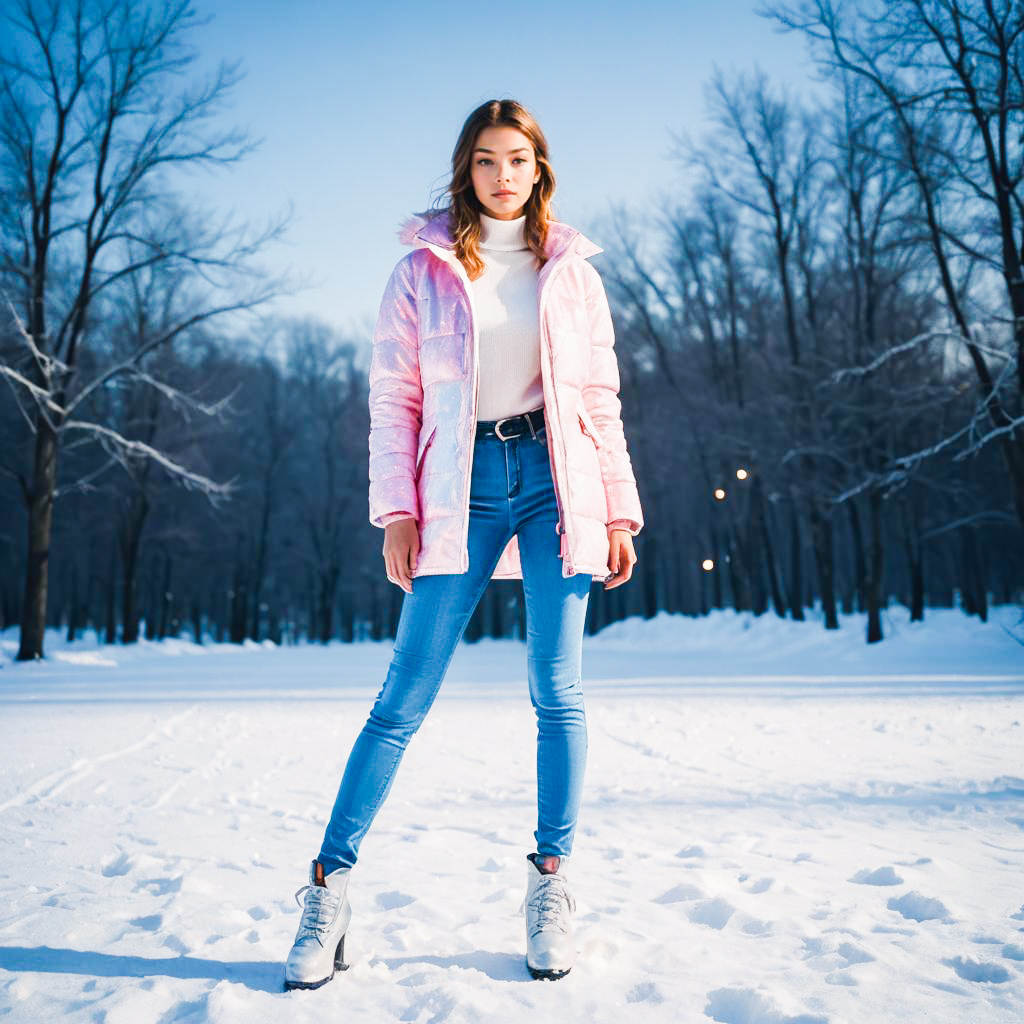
pixel 829 945
pixel 114 867
pixel 691 852
pixel 853 954
pixel 745 1006
pixel 973 970
pixel 714 913
pixel 160 886
pixel 394 900
pixel 915 907
pixel 149 923
pixel 645 992
pixel 880 876
pixel 679 894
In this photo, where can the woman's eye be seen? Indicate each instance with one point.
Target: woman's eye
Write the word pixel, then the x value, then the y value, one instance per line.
pixel 483 160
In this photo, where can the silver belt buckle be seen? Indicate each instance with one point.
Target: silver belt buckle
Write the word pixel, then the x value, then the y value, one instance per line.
pixel 497 429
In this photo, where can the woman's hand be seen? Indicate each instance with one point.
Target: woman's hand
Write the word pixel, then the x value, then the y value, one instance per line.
pixel 621 558
pixel 401 549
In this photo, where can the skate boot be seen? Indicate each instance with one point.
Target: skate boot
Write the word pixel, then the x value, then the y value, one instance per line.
pixel 550 940
pixel 320 942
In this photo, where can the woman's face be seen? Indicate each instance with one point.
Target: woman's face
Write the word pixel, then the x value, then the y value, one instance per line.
pixel 504 171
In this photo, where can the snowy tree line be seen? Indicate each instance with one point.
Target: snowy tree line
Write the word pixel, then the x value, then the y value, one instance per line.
pixel 838 308
pixel 820 347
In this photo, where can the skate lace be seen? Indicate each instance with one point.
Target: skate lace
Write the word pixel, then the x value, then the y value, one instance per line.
pixel 550 905
pixel 319 909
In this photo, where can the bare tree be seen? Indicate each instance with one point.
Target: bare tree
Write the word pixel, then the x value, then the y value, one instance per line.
pixel 767 159
pixel 330 471
pixel 948 78
pixel 97 110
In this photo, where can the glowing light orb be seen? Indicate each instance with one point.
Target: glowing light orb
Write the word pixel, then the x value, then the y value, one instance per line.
pixel 720 493
pixel 741 474
pixel 708 564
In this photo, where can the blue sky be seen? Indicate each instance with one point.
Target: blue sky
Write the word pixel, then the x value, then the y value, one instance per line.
pixel 358 107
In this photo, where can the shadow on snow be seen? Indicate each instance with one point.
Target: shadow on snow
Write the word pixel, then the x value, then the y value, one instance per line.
pixel 261 976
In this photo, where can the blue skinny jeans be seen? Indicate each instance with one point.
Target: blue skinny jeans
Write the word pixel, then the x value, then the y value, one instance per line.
pixel 511 493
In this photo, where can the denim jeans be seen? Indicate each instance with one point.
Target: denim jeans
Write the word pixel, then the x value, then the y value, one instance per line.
pixel 511 493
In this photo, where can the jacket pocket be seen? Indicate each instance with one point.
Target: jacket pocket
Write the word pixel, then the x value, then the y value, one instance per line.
pixel 442 357
pixel 589 429
pixel 425 442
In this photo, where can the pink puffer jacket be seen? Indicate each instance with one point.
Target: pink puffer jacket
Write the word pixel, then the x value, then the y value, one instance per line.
pixel 423 385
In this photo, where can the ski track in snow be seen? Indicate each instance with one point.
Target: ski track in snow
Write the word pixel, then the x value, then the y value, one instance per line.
pixel 751 856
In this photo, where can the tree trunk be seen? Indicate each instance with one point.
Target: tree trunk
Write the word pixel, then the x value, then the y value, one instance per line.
pixel 718 599
pixel 328 587
pixel 653 568
pixel 824 557
pixel 131 539
pixel 796 580
pixel 974 583
pixel 394 604
pixel 739 576
pixel 496 613
pixel 166 601
pixel 860 567
pixel 111 630
pixel 873 584
pixel 915 559
pixel 768 547
pixel 40 530
pixel 260 562
pixel 347 613
pixel 74 606
pixel 239 608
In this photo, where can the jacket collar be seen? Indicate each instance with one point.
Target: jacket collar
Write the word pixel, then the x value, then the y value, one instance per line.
pixel 433 232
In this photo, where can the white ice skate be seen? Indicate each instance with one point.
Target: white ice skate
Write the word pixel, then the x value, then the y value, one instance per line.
pixel 550 940
pixel 319 947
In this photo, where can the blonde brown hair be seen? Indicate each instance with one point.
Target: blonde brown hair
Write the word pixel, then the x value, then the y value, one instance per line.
pixel 464 208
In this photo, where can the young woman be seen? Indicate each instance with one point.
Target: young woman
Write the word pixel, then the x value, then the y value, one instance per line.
pixel 496 451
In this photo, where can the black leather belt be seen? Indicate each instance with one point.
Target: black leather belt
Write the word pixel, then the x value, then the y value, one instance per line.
pixel 527 424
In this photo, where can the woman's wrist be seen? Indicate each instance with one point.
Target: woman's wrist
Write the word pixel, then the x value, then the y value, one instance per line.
pixel 395 517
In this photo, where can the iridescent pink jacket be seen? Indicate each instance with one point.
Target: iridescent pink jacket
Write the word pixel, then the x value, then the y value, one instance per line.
pixel 423 387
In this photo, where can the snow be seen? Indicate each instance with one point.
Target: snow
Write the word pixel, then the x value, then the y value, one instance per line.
pixel 781 826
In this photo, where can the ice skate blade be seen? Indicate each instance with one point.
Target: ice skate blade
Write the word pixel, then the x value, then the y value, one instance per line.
pixel 541 974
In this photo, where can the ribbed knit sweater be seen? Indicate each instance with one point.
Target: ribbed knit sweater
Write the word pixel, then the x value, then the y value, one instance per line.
pixel 505 303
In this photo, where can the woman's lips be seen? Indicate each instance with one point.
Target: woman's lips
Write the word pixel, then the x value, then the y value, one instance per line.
pixel 502 195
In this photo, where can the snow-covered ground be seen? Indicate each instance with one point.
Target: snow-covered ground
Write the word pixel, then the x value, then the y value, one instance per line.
pixel 781 826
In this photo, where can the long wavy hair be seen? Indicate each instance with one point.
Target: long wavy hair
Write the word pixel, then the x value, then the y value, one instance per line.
pixel 464 208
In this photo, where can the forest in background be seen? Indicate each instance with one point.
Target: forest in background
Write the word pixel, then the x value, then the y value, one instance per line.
pixel 820 348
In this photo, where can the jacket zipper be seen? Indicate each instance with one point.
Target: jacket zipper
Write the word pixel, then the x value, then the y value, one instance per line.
pixel 563 518
pixel 467 287
pixel 460 272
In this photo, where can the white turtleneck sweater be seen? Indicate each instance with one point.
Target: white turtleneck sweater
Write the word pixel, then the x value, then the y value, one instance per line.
pixel 505 303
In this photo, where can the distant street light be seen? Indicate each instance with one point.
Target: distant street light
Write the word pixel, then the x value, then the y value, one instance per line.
pixel 741 474
pixel 720 493
pixel 708 564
